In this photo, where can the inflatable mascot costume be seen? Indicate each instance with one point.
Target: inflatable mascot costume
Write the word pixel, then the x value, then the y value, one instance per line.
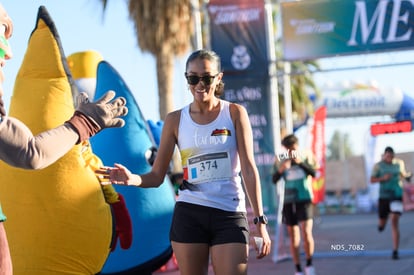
pixel 59 221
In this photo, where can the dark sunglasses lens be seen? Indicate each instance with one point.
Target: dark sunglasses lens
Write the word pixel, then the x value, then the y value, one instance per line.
pixel 193 79
pixel 207 79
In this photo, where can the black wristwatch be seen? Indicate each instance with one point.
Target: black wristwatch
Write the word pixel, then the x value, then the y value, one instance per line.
pixel 261 219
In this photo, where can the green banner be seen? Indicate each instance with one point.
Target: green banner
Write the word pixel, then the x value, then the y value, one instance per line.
pixel 315 29
pixel 254 94
pixel 238 35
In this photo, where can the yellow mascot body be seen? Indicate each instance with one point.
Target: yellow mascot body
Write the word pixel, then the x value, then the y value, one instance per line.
pixel 57 219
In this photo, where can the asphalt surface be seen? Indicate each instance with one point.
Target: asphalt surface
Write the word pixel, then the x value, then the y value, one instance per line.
pixel 345 244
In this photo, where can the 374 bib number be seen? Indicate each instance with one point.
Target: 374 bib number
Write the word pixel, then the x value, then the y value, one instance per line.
pixel 207 167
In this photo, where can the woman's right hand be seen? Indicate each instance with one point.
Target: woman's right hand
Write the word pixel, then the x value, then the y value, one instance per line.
pixel 118 174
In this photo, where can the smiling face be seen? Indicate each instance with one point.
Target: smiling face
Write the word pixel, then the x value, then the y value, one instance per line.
pixel 208 78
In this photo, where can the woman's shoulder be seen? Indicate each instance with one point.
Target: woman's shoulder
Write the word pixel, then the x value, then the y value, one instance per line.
pixel 172 121
pixel 173 116
pixel 176 112
pixel 235 108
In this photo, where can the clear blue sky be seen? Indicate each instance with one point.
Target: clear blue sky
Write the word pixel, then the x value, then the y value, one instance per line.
pixel 83 26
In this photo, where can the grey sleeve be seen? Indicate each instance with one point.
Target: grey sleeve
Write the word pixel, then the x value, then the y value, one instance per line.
pixel 19 148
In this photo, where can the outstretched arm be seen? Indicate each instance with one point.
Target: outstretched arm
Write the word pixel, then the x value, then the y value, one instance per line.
pixel 120 174
pixel 18 146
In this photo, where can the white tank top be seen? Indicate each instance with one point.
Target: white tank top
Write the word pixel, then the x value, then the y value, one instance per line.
pixel 211 162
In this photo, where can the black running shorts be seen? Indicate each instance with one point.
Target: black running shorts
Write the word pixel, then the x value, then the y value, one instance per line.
pixel 194 223
pixel 384 208
pixel 295 212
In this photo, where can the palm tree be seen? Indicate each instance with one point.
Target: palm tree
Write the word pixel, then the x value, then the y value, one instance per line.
pixel 302 84
pixel 163 28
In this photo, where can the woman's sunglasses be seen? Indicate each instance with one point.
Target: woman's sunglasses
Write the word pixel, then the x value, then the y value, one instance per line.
pixel 194 79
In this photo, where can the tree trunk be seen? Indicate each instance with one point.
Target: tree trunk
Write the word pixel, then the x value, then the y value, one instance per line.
pixel 165 74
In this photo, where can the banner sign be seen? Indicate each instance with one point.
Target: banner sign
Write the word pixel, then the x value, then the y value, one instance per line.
pixel 317 137
pixel 238 35
pixel 361 101
pixel 314 29
pixel 253 94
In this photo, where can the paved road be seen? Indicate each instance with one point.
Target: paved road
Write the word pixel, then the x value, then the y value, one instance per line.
pixel 334 234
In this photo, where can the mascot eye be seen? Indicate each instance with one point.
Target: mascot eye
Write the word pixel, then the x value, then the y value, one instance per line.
pixel 5 30
pixel 150 155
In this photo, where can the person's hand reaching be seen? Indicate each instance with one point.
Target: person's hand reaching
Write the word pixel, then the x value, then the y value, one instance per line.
pixel 91 117
pixel 104 112
pixel 118 174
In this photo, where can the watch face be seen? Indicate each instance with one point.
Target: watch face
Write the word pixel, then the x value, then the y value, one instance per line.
pixel 261 219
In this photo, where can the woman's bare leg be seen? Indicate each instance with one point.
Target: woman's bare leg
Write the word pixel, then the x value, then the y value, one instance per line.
pixel 192 258
pixel 230 258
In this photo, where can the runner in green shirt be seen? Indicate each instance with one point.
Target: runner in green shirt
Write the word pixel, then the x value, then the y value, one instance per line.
pixel 389 172
pixel 296 168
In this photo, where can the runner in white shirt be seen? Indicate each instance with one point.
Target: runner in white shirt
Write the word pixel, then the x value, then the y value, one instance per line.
pixel 216 144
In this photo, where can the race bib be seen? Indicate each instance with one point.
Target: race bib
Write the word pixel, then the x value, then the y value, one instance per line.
pixel 208 167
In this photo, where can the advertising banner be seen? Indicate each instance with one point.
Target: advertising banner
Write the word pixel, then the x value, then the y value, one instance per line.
pixel 361 101
pixel 314 29
pixel 239 37
pixel 253 94
pixel 318 150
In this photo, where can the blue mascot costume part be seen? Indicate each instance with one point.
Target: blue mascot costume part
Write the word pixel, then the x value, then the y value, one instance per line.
pixel 150 209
